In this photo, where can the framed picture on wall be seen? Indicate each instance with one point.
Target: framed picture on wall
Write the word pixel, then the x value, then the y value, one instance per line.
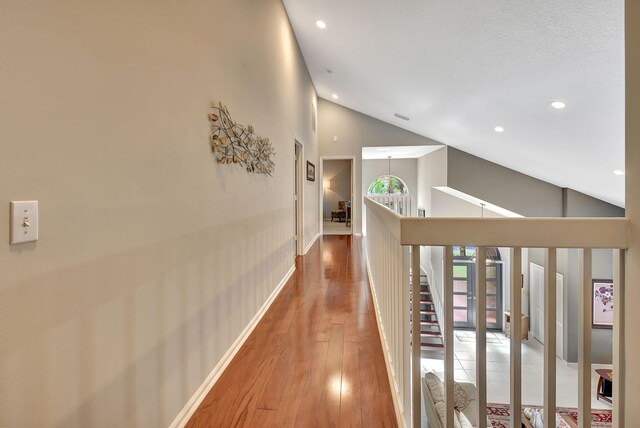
pixel 602 299
pixel 311 171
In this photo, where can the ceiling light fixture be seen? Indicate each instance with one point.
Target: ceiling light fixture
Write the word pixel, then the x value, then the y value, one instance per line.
pixel 321 24
pixel 499 129
pixel 334 96
pixel 402 116
pixel 618 172
pixel 558 105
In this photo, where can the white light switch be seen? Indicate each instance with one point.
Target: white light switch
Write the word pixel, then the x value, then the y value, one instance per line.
pixel 24 222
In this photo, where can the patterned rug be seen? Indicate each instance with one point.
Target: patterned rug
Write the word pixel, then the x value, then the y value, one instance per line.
pixel 498 415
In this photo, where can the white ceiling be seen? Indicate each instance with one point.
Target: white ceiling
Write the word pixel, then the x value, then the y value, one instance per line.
pixel 397 152
pixel 458 68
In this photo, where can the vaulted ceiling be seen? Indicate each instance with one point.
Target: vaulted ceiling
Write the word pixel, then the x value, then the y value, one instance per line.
pixel 460 68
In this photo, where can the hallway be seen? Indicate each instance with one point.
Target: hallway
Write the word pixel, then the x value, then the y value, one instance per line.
pixel 315 358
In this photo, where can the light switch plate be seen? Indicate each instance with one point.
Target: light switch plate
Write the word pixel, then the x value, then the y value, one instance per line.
pixel 24 222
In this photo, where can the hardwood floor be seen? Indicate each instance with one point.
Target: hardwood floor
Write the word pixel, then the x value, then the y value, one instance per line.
pixel 315 359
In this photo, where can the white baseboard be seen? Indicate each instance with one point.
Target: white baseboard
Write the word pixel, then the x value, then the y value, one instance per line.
pixel 395 394
pixel 192 405
pixel 313 241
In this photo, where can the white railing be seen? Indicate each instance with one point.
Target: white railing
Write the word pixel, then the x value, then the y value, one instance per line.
pixel 388 268
pixel 388 237
pixel 401 204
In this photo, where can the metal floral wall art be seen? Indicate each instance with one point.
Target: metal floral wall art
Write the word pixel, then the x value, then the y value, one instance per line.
pixel 234 143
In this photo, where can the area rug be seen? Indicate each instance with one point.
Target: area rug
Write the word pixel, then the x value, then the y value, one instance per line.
pixel 498 415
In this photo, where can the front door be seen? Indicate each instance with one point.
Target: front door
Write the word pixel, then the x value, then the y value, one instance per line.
pixel 464 290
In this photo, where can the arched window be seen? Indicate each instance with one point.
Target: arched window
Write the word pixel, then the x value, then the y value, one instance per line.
pixel 388 185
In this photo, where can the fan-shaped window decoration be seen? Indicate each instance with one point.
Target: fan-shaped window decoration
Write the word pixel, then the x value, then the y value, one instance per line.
pixel 387 185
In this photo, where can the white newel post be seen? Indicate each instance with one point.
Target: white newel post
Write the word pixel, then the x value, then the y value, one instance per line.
pixel 549 395
pixel 415 338
pixel 631 342
pixel 584 341
pixel 481 334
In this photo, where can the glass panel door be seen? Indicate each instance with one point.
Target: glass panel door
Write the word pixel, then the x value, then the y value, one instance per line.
pixel 464 292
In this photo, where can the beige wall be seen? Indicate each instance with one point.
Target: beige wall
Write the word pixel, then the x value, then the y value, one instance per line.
pixel 432 172
pixel 578 204
pixel 502 186
pixel 152 258
pixel 354 131
pixel 632 155
pixel 519 192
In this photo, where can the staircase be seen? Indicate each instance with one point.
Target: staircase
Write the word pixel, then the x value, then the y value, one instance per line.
pixel 432 344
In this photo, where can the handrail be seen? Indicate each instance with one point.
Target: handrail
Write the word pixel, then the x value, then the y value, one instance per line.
pixel 506 232
pixel 389 218
pixel 401 204
pixel 388 242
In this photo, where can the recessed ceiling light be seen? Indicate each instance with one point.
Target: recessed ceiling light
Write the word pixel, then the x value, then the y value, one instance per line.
pixel 558 105
pixel 321 24
pixel 402 116
pixel 499 129
pixel 335 96
pixel 618 172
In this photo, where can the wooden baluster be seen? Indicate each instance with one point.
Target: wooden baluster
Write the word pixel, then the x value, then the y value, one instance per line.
pixel 584 340
pixel 549 396
pixel 516 338
pixel 481 334
pixel 448 336
pixel 618 337
pixel 406 358
pixel 415 338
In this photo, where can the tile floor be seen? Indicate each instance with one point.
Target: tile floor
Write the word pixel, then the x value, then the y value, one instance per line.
pixel 532 371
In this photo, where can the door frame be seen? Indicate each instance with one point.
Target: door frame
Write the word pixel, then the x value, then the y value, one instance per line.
pixel 298 190
pixel 533 293
pixel 354 209
pixel 471 295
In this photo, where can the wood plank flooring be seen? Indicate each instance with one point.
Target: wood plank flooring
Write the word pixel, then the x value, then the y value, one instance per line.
pixel 315 359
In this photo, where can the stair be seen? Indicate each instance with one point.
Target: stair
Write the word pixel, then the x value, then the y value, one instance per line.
pixel 431 339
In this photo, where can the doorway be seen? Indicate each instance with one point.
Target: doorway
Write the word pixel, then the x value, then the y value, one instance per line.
pixel 337 207
pixel 297 200
pixel 464 288
pixel 536 283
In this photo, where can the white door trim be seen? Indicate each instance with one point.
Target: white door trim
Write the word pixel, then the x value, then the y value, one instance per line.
pixel 299 204
pixel 354 205
pixel 536 292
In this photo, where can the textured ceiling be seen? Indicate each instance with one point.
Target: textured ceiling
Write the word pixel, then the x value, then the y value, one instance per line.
pixel 460 68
